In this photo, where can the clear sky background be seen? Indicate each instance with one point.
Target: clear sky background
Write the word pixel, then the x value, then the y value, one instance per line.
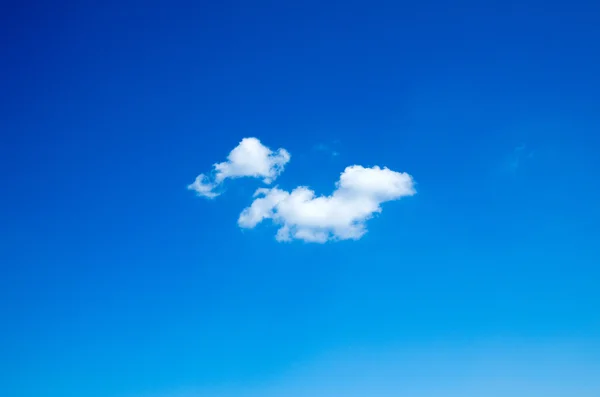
pixel 117 281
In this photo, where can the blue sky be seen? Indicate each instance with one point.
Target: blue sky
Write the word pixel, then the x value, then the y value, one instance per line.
pixel 117 281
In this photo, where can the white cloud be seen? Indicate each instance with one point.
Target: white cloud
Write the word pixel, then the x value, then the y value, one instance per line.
pixel 250 158
pixel 203 186
pixel 304 216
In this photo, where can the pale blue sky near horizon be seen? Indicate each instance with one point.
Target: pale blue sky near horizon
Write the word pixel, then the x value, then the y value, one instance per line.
pixel 117 281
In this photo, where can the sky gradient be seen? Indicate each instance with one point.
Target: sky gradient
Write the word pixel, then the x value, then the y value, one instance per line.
pixel 118 281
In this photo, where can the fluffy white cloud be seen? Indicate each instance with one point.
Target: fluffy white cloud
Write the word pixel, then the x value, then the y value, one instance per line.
pixel 250 158
pixel 342 215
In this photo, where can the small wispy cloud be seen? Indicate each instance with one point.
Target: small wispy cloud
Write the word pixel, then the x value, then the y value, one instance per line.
pixel 518 156
pixel 329 149
pixel 250 158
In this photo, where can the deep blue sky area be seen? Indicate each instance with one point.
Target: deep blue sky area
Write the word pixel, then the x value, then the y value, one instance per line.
pixel 117 281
